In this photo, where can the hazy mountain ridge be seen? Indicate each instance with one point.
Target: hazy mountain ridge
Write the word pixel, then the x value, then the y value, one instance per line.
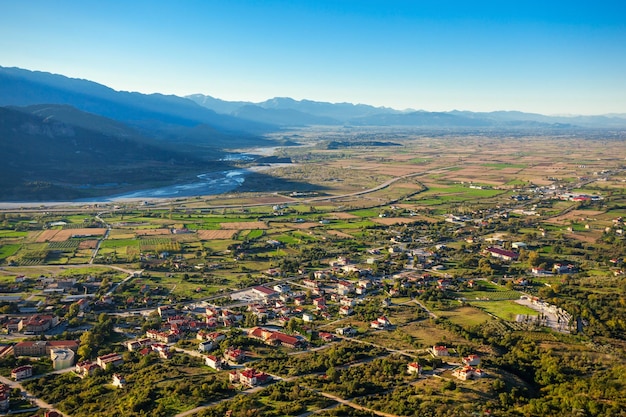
pixel 366 115
pixel 282 117
pixel 155 115
pixel 49 158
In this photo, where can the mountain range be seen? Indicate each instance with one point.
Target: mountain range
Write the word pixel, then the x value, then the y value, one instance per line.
pixel 67 138
pixel 287 112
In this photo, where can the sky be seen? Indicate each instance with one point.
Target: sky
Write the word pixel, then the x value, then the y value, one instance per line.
pixel 549 56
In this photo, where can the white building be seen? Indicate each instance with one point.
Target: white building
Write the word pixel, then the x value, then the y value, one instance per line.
pixel 62 358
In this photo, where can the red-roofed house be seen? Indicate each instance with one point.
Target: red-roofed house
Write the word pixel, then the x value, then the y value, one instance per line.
pixel 440 351
pixel 264 292
pixel 5 392
pixel 22 372
pixel 471 360
pixel 467 372
pixel 234 355
pixel 213 362
pixel 86 368
pixel 271 337
pixel 163 337
pixel 414 368
pixel 111 359
pixel 119 381
pixel 162 350
pixel 505 255
pixel 249 377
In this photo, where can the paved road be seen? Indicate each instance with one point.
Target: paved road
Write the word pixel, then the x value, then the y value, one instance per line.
pixel 40 403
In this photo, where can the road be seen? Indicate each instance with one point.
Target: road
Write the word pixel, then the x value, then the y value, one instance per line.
pixel 131 275
pixel 39 402
pixel 106 234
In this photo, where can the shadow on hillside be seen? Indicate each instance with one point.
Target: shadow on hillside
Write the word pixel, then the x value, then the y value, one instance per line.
pixel 260 182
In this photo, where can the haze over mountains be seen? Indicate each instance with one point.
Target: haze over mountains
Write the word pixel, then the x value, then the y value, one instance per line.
pixel 285 111
pixel 66 138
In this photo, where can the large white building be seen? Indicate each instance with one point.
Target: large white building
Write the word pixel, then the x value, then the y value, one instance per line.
pixel 62 358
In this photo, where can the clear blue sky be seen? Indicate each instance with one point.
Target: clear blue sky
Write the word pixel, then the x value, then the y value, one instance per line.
pixel 548 56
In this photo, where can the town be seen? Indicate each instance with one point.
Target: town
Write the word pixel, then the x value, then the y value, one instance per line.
pixel 430 294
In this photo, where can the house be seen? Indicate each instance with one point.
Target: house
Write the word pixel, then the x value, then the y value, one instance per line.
pixel 5 392
pixel 505 255
pixel 43 348
pixel 86 368
pixel 234 355
pixel 539 271
pixel 166 311
pixel 309 283
pixel 319 302
pixel 345 310
pixel 307 317
pixel 162 350
pixel 264 292
pixel 282 288
pixel 37 324
pixel 206 346
pixel 383 321
pixel 344 288
pixel 326 337
pixel 345 331
pixel 118 381
pixel 134 345
pixel 347 301
pixel 414 368
pixel 111 359
pixel 350 268
pixel 163 337
pixel 323 274
pixel 249 377
pixel 213 362
pixel 272 337
pixel 22 372
pixel 471 360
pixel 564 268
pixel 214 337
pixel 467 372
pixel 440 351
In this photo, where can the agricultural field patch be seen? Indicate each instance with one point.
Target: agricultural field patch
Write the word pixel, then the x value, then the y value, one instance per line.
pixel 87 244
pixel 152 232
pixel 343 215
pixel 465 316
pixel 65 234
pixel 305 225
pixel 337 233
pixel 395 220
pixel 7 250
pixel 216 234
pixel 504 309
pixel 10 234
pixel 244 225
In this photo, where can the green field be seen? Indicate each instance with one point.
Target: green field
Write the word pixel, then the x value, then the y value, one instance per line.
pixel 365 212
pixel 8 250
pixel 119 243
pixel 507 310
pixel 254 234
pixel 12 234
pixel 503 165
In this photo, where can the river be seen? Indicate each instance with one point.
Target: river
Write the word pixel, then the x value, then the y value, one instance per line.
pixel 206 184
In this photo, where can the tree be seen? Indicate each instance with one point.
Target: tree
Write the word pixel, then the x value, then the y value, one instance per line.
pixel 87 343
pixel 534 259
